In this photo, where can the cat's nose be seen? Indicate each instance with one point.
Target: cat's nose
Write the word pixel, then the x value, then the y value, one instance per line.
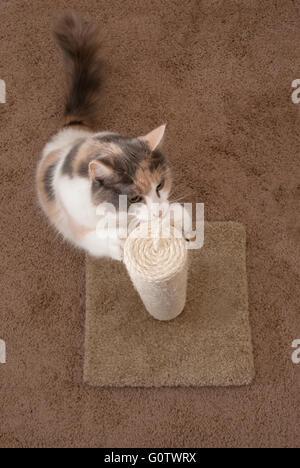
pixel 158 214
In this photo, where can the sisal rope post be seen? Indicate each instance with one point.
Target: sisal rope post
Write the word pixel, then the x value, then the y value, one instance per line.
pixel 158 266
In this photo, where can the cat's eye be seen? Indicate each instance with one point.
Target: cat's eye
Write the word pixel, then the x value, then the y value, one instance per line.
pixel 160 186
pixel 136 199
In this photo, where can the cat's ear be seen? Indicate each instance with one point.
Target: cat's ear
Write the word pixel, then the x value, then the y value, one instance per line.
pixel 99 170
pixel 154 138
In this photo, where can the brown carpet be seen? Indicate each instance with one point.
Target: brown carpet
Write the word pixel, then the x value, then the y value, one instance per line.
pixel 208 344
pixel 220 73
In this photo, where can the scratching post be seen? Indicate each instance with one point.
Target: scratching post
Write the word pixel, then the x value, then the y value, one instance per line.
pixel 158 269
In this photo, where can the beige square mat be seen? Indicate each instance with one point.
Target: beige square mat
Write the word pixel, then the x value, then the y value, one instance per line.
pixel 208 345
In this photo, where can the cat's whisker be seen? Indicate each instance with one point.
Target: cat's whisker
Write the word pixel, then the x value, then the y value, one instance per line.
pixel 175 200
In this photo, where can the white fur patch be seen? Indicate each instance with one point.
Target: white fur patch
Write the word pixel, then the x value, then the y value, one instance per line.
pixel 75 194
pixel 64 138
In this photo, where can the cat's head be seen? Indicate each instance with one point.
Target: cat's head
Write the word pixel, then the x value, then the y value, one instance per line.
pixel 134 167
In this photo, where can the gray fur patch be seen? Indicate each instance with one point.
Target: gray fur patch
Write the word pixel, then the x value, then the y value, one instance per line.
pixel 48 182
pixel 67 168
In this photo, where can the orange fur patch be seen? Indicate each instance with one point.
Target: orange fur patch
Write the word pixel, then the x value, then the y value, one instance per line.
pixel 142 180
pixel 85 125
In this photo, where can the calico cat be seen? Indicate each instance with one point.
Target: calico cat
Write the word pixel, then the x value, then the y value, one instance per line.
pixel 81 169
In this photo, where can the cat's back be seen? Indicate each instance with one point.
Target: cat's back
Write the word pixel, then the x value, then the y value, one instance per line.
pixel 50 165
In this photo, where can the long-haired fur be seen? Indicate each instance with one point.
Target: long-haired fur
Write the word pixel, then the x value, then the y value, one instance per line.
pixel 80 44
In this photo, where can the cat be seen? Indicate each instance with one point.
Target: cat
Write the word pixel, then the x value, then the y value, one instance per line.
pixel 81 168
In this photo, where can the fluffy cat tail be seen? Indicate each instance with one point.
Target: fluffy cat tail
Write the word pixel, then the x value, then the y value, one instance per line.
pixel 80 44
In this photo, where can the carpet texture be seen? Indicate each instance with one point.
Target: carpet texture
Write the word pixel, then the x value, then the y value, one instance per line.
pixel 208 344
pixel 219 73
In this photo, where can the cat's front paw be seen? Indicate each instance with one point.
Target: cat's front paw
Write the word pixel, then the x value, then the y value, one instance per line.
pixel 116 251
